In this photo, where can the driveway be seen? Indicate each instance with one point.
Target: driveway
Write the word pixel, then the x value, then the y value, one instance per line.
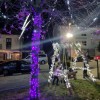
pixel 21 80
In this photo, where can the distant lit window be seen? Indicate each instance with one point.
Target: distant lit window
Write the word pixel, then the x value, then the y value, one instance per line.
pixel 84 43
pixel 0 46
pixel 8 43
pixel 83 34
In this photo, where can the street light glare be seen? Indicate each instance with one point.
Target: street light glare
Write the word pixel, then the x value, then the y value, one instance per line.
pixel 69 35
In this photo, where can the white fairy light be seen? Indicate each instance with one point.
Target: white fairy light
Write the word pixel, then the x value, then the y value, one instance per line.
pixel 95 19
pixel 23 29
pixel 66 79
pixel 53 9
pixel 33 19
pixel 35 31
pixel 25 21
pixel 55 1
pixel 24 25
pixel 50 18
pixel 53 61
pixel 68 2
pixel 4 16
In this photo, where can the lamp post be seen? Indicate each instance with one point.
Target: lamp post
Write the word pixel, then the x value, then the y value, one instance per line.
pixel 69 36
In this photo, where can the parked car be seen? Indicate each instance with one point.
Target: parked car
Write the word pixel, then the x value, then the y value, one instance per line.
pixel 97 58
pixel 16 66
pixel 42 58
pixel 6 68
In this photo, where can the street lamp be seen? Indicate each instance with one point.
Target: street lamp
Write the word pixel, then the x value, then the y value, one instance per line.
pixel 69 36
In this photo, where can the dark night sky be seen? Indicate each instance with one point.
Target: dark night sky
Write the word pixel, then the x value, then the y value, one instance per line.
pixel 13 7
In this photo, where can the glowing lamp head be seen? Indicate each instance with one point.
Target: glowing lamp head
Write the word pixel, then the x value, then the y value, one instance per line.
pixel 69 35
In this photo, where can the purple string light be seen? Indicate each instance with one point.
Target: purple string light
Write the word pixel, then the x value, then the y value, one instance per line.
pixel 34 82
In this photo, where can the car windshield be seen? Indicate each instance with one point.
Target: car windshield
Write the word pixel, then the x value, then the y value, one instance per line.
pixel 25 63
pixel 42 55
pixel 28 57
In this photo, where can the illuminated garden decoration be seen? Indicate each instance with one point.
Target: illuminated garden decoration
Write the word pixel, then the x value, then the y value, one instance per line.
pixel 55 55
pixel 23 7
pixel 64 74
pixel 79 52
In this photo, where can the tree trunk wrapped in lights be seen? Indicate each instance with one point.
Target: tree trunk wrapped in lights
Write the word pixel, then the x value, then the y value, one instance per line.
pixel 34 82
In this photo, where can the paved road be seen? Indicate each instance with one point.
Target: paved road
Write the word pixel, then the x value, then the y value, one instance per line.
pixel 21 80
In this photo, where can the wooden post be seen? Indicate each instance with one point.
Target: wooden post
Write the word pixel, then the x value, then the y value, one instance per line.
pixel 97 70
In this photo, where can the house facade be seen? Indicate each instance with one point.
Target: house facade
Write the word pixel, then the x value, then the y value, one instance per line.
pixel 10 47
pixel 88 40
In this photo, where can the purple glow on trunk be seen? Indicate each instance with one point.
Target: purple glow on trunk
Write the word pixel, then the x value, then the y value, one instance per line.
pixel 34 82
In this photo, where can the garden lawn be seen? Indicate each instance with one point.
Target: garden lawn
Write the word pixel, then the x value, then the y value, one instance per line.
pixel 86 90
pixel 82 90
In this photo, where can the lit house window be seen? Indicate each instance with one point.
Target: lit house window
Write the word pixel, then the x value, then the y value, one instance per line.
pixel 84 43
pixel 83 34
pixel 8 43
pixel 0 46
